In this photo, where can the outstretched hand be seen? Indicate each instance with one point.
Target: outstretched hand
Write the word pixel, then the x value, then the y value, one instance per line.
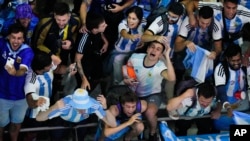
pixel 102 100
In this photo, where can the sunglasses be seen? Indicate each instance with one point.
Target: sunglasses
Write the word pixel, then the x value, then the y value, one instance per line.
pixel 171 18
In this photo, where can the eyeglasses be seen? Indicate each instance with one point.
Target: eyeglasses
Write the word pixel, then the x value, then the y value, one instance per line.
pixel 171 18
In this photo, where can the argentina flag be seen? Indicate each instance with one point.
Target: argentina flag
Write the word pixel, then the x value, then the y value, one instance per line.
pixel 166 133
pixel 241 118
pixel 200 64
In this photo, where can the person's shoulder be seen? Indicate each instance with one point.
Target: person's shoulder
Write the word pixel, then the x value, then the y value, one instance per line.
pixel 219 70
pixel 216 21
pixel 84 36
pixel 26 47
pixel 138 55
pixel 31 77
pixel 185 22
pixel 2 40
pixel 241 7
pixel 158 19
pixel 216 25
pixel 219 65
pixel 67 98
pixel 45 20
pixel 114 109
pixel 242 10
pixel 74 19
pixel 210 3
pixel 124 22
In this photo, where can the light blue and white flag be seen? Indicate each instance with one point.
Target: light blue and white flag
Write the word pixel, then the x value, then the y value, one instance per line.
pixel 241 118
pixel 224 136
pixel 200 64
pixel 166 133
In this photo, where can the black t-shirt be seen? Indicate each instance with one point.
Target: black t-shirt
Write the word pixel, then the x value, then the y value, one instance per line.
pixel 90 46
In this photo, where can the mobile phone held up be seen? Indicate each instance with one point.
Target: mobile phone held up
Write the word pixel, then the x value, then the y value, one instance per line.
pixel 109 6
pixel 10 62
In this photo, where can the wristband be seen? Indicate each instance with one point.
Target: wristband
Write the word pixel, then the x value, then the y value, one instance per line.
pixel 223 106
pixel 229 107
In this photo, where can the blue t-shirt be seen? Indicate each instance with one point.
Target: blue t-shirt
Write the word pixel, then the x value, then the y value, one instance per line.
pixel 12 87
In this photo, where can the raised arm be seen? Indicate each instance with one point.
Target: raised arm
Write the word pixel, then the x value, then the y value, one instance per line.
pixel 109 119
pixel 148 36
pixel 83 14
pixel 176 102
pixel 119 8
pixel 85 83
pixel 168 74
pixel 191 6
pixel 42 116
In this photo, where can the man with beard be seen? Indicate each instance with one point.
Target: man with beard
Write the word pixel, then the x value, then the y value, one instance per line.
pixel 231 83
pixel 56 34
pixel 174 15
pixel 207 31
pixel 25 17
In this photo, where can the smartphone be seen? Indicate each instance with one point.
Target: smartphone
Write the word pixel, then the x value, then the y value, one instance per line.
pixel 10 61
pixel 75 67
pixel 135 82
pixel 110 6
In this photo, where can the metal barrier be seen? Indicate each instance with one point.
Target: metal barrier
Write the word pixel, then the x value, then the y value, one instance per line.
pixel 47 128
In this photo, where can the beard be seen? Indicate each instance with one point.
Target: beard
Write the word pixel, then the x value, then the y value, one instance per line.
pixel 233 67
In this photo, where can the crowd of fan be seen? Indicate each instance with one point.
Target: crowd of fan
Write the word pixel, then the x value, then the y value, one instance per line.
pixel 194 58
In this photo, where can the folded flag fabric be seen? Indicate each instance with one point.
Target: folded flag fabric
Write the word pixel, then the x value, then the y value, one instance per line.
pixel 43 108
pixel 200 64
pixel 166 133
pixel 241 118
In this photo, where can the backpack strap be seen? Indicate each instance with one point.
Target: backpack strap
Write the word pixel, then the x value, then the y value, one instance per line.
pixel 119 107
pixel 165 24
pixel 211 29
pixel 138 106
pixel 226 34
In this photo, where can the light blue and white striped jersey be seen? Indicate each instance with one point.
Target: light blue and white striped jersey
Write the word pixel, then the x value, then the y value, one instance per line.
pixel 148 5
pixel 71 114
pixel 157 26
pixel 149 78
pixel 41 85
pixel 236 82
pixel 196 110
pixel 245 3
pixel 202 38
pixel 232 25
pixel 127 45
